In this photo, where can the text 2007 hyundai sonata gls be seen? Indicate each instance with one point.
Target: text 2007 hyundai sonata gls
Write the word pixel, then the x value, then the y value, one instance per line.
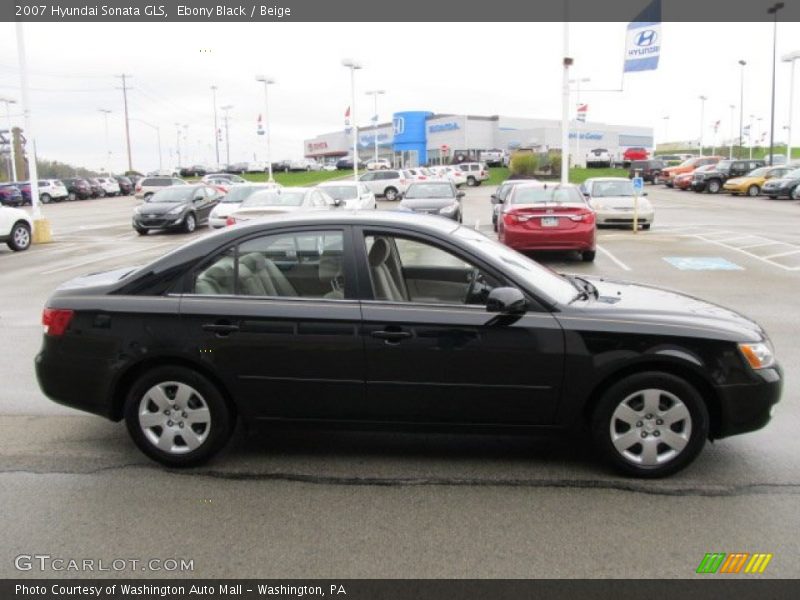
pixel 397 319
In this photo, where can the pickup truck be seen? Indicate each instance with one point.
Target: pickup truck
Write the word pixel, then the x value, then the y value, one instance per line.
pixel 495 158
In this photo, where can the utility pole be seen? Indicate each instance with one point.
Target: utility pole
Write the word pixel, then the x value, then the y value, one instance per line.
pixel 225 110
pixel 375 94
pixel 127 124
pixel 107 112
pixel 790 58
pixel 773 10
pixel 702 120
pixel 178 144
pixel 216 127
pixel 730 152
pixel 742 63
pixel 13 171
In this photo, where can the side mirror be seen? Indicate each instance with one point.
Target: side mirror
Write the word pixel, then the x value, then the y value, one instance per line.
pixel 197 199
pixel 506 301
pixel 494 199
pixel 337 202
pixel 460 195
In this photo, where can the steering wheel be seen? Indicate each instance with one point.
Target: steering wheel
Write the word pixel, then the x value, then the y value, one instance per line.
pixel 473 280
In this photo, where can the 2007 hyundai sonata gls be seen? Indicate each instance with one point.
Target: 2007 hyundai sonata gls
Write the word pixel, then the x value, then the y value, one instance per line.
pixel 405 320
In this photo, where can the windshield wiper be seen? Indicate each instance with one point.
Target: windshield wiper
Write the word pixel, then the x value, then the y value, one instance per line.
pixel 585 288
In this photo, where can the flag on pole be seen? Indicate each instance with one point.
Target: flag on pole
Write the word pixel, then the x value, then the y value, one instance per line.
pixel 746 131
pixel 716 127
pixel 260 127
pixel 347 120
pixel 583 110
pixel 643 40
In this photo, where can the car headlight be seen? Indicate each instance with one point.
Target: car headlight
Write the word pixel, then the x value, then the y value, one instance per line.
pixel 598 204
pixel 758 355
pixel 448 210
pixel 177 210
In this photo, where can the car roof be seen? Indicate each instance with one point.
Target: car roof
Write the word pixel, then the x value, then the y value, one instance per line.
pixel 544 184
pixel 607 179
pixel 332 183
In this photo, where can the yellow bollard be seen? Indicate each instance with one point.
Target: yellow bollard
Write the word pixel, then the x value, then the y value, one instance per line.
pixel 41 231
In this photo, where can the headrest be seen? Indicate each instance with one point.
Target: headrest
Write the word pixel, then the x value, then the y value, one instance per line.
pixel 379 252
pixel 330 267
pixel 220 273
pixel 255 261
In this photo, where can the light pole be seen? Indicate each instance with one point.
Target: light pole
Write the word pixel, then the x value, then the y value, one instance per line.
pixel 577 83
pixel 225 110
pixel 773 10
pixel 178 144
pixel 216 127
pixel 107 112
pixel 790 58
pixel 158 137
pixel 375 94
pixel 567 63
pixel 42 226
pixel 353 66
pixel 742 63
pixel 666 128
pixel 730 151
pixel 267 81
pixel 13 171
pixel 702 120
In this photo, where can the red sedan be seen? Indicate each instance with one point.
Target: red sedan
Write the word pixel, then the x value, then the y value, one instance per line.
pixel 635 153
pixel 546 216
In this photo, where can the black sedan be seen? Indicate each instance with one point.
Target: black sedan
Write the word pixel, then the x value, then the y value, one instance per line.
pixel 178 207
pixel 125 185
pixel 434 198
pixel 378 319
pixel 783 187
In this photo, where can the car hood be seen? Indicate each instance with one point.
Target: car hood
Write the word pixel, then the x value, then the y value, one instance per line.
pixel 158 208
pixel 669 311
pixel 618 202
pixel 779 182
pixel 426 203
pixel 223 209
pixel 744 180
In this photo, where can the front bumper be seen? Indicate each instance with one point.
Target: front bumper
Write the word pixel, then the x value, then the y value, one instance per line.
pixel 159 222
pixel 748 407
pixel 698 186
pixel 621 217
pixel 778 192
pixel 217 222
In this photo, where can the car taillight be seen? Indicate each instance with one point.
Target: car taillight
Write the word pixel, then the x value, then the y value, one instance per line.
pixel 138 187
pixel 402 182
pixel 515 217
pixel 56 321
pixel 230 221
pixel 587 217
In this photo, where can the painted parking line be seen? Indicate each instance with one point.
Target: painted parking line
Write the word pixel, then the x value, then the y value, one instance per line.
pixel 771 256
pixel 613 258
pixel 763 259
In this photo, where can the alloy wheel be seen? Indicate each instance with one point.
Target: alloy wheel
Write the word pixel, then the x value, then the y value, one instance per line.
pixel 21 238
pixel 174 417
pixel 650 427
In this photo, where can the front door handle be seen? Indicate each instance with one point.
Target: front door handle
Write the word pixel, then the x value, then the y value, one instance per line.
pixel 221 329
pixel 391 336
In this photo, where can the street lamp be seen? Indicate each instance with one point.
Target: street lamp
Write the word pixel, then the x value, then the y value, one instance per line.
pixel 790 58
pixel 225 110
pixel 773 10
pixel 702 120
pixel 158 137
pixel 578 83
pixel 107 112
pixel 742 63
pixel 13 171
pixel 730 152
pixel 216 127
pixel 375 94
pixel 353 66
pixel 666 128
pixel 267 81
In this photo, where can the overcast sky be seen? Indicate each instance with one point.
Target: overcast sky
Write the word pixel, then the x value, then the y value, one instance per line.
pixel 511 69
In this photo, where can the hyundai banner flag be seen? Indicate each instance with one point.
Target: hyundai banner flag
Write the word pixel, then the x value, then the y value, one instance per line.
pixel 643 40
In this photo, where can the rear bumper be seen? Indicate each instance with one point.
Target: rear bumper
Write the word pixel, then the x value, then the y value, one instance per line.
pixel 158 223
pixel 748 407
pixel 576 239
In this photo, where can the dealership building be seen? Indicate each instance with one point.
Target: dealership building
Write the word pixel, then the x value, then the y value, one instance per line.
pixel 421 137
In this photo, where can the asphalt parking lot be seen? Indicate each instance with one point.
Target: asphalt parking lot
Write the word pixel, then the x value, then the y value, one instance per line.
pixel 322 504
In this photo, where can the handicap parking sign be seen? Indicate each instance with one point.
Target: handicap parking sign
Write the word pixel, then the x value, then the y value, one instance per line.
pixel 638 185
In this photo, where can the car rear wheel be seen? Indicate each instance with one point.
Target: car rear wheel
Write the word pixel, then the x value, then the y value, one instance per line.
pixel 141 230
pixel 795 194
pixel 45 198
pixel 646 226
pixel 20 237
pixel 147 196
pixel 390 194
pixel 471 181
pixel 650 424
pixel 177 417
pixel 588 255
pixel 713 186
pixel 753 190
pixel 190 223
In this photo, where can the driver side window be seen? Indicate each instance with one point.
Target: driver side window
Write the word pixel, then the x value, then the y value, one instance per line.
pixel 409 270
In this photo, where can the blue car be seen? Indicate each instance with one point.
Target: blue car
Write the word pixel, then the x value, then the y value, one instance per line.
pixel 10 195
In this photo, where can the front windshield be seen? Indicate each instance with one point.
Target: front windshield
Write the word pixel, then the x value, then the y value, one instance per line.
pixel 238 194
pixel 724 165
pixel 545 194
pixel 171 195
pixel 341 192
pixel 794 174
pixel 274 199
pixel 532 275
pixel 607 189
pixel 760 172
pixel 690 162
pixel 430 190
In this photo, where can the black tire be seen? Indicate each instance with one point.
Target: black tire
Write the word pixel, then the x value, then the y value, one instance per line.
pixel 147 196
pixel 627 389
pixel 773 197
pixel 390 194
pixel 795 193
pixel 141 230
pixel 221 417
pixel 588 255
pixel 471 181
pixel 646 226
pixel 20 238
pixel 714 186
pixel 189 223
pixel 753 190
pixel 669 184
pixel 45 198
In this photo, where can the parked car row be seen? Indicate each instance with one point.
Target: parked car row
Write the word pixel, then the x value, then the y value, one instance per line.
pixel 603 158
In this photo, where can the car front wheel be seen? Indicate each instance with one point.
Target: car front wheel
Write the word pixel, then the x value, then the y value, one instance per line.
pixel 588 255
pixel 20 237
pixel 189 223
pixel 650 424
pixel 753 190
pixel 471 181
pixel 45 198
pixel 713 186
pixel 390 194
pixel 177 417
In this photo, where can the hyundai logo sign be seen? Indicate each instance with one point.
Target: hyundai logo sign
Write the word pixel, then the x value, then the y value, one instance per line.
pixel 646 38
pixel 399 125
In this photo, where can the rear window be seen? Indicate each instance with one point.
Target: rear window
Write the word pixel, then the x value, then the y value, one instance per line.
pixel 546 194
pixel 155 181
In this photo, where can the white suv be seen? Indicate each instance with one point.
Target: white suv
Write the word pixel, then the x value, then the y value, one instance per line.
pixel 389 183
pixel 381 163
pixel 109 185
pixel 476 173
pixel 599 157
pixel 16 228
pixel 52 189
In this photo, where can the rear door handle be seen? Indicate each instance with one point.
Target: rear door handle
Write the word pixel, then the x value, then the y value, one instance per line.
pixel 221 328
pixel 391 336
